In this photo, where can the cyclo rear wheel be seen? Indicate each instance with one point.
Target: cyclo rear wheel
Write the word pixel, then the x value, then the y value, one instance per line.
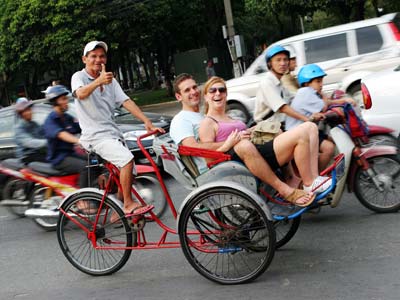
pixel 112 230
pixel 226 236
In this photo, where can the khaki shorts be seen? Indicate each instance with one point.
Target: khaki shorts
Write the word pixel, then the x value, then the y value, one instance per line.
pixel 112 150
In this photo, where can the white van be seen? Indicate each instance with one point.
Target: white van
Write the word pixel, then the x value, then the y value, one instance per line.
pixel 346 52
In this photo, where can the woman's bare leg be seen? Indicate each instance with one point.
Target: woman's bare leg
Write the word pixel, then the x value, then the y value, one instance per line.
pixel 297 143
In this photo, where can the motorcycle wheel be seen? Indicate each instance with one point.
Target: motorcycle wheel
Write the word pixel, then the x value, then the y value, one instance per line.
pixel 386 169
pixel 150 190
pixel 15 189
pixel 39 196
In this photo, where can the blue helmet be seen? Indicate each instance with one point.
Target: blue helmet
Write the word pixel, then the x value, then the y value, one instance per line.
pixel 274 50
pixel 308 73
pixel 54 92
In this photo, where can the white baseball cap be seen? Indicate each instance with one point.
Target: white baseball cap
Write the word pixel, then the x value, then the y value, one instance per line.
pixel 93 44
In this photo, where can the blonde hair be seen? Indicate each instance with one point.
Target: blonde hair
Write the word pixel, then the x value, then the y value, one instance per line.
pixel 210 82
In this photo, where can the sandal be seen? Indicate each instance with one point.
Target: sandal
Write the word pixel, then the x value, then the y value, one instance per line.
pixel 297 195
pixel 140 210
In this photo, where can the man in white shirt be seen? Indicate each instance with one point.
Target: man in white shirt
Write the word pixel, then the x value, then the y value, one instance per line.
pixel 97 94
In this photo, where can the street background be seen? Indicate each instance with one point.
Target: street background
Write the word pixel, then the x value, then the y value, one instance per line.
pixel 339 254
pixel 169 108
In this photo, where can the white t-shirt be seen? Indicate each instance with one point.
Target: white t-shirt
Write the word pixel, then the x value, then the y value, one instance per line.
pixel 269 98
pixel 96 112
pixel 305 102
pixel 186 124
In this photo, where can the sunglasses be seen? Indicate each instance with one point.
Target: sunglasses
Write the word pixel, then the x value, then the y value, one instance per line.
pixel 213 90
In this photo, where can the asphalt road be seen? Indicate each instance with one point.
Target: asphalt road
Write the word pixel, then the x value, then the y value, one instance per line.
pixel 343 253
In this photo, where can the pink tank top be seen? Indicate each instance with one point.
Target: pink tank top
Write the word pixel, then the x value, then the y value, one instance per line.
pixel 225 128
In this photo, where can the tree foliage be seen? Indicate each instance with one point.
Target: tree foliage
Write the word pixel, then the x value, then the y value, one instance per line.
pixel 41 39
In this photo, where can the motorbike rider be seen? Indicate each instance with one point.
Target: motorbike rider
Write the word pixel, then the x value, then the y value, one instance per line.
pixel 270 105
pixel 29 136
pixel 60 129
pixel 310 99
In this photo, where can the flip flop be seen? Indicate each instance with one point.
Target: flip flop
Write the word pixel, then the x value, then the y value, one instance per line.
pixel 140 210
pixel 296 195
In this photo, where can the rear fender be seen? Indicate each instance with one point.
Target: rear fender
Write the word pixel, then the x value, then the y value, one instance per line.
pixel 376 129
pixel 92 190
pixel 355 77
pixel 368 152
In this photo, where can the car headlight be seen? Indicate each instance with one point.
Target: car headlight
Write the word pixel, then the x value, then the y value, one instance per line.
pixel 133 135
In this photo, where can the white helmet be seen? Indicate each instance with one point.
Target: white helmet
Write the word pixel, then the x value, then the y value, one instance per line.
pixel 291 51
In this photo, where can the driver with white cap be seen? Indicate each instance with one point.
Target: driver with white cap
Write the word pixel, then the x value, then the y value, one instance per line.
pixel 97 94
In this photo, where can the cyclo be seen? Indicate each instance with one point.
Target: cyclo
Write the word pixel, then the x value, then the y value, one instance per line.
pixel 226 230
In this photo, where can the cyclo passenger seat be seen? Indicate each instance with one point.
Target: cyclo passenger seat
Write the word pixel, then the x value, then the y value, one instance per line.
pixel 182 163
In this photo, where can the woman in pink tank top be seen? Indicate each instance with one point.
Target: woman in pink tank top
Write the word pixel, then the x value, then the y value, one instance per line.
pixel 219 127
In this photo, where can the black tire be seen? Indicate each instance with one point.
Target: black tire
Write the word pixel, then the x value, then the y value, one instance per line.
pixel 285 230
pixel 15 189
pixel 238 112
pixel 40 196
pixel 235 241
pixel 355 92
pixel 74 241
pixel 150 190
pixel 387 172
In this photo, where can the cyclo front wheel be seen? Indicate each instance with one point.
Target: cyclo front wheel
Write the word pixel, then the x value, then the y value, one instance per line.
pixel 285 230
pixel 112 234
pixel 226 236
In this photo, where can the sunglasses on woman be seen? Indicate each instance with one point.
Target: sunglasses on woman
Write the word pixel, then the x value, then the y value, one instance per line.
pixel 220 89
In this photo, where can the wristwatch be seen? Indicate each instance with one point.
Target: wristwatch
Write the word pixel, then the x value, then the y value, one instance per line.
pixel 312 119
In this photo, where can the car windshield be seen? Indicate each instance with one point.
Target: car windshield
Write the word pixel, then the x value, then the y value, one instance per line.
pixel 258 66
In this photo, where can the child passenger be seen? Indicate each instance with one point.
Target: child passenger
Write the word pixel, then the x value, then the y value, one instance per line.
pixel 310 99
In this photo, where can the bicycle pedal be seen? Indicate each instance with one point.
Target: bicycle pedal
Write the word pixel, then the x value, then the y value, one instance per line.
pixel 137 223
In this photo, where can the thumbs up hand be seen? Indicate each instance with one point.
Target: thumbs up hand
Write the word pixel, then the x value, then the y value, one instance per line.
pixel 105 77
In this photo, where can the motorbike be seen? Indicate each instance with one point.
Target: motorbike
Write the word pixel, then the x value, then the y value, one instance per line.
pixel 52 186
pixel 372 169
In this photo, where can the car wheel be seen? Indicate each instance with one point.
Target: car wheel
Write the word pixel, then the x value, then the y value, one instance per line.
pixel 356 94
pixel 238 112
